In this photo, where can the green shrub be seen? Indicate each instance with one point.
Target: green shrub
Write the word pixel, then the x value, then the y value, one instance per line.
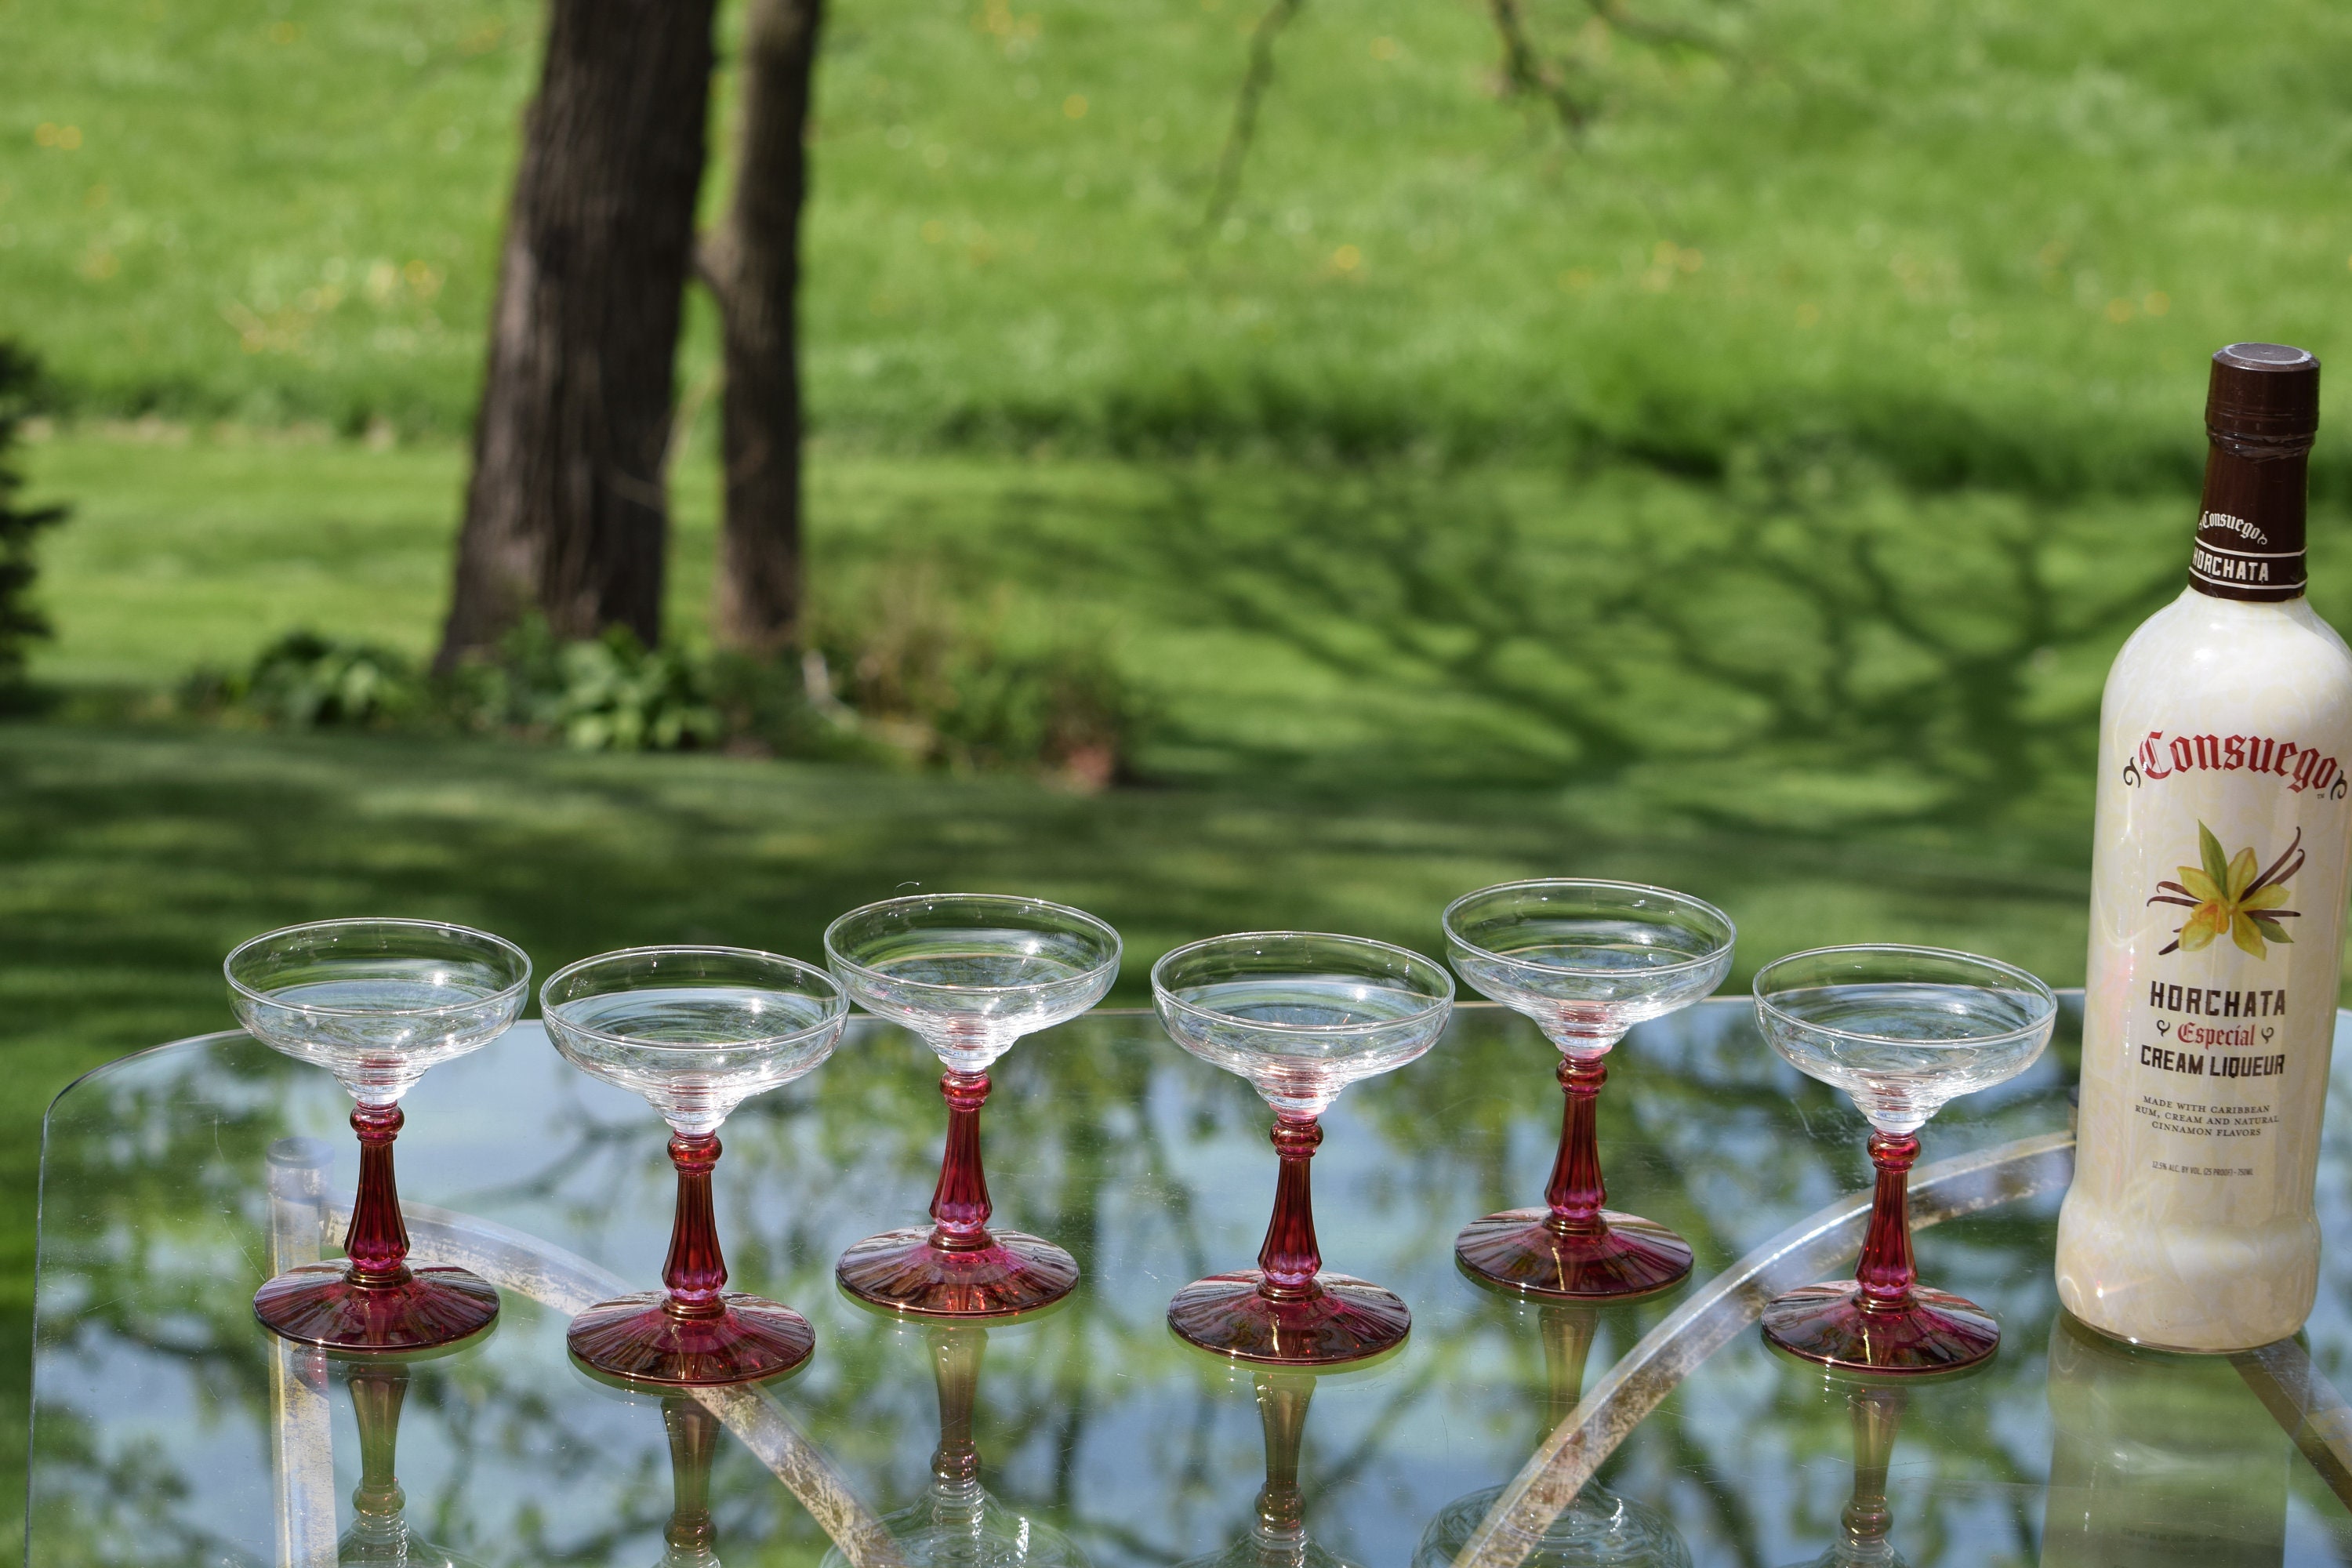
pixel 955 689
pixel 610 693
pixel 907 674
pixel 20 622
pixel 308 680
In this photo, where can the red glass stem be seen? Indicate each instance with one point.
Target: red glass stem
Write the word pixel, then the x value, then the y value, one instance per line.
pixel 959 1203
pixel 1886 1272
pixel 696 1271
pixel 1289 1259
pixel 1577 1192
pixel 377 1241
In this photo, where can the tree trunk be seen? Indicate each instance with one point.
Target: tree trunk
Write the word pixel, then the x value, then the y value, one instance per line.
pixel 752 266
pixel 565 512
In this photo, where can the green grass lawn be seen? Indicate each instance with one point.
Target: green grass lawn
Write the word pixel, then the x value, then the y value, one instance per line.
pixel 1993 239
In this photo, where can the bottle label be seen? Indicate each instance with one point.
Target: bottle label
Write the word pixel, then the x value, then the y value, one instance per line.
pixel 2208 1036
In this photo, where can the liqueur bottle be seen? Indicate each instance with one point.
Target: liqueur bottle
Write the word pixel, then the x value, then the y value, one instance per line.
pixel 2217 900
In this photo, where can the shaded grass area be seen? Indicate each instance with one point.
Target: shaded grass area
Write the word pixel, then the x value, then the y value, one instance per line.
pixel 1785 648
pixel 132 859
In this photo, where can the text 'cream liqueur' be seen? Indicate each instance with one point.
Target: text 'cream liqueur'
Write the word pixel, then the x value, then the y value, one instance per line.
pixel 2217 901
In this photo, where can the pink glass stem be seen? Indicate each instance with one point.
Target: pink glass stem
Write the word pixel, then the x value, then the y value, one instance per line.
pixel 694 1270
pixel 1577 1192
pixel 959 1203
pixel 1290 1258
pixel 1886 1272
pixel 377 1241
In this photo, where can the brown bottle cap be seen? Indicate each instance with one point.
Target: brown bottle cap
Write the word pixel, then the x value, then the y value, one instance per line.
pixel 2265 394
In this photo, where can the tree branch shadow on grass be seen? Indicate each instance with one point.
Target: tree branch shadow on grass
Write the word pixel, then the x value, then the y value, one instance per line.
pixel 1903 658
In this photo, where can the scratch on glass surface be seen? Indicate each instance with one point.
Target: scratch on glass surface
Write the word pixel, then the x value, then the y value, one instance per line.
pixel 1725 1306
pixel 301 1455
pixel 516 1260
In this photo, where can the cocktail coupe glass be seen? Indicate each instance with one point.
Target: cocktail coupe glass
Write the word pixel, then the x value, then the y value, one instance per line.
pixel 696 1031
pixel 970 973
pixel 379 1531
pixel 1301 1015
pixel 377 1002
pixel 1586 961
pixel 1599 1527
pixel 958 1524
pixel 1902 1030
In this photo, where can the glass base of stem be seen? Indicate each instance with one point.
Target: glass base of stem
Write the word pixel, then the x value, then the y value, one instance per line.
pixel 321 1304
pixel 902 1271
pixel 637 1339
pixel 1348 1320
pixel 1628 1256
pixel 1826 1323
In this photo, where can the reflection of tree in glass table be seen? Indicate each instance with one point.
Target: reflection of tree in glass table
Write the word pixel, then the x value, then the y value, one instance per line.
pixel 158 1403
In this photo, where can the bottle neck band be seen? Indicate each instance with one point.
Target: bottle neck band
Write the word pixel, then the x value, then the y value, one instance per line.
pixel 2250 525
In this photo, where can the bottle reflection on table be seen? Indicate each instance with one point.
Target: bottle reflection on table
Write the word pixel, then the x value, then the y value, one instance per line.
pixel 379 1531
pixel 1599 1526
pixel 1277 1537
pixel 958 1524
pixel 2159 1460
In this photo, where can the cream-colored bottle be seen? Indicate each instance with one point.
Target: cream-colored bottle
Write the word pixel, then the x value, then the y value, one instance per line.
pixel 2217 902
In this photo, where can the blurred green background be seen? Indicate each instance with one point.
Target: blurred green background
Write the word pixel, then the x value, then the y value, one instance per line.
pixel 1747 493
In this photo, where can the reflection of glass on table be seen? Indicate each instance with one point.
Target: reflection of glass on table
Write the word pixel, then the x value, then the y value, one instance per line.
pixel 379 1531
pixel 1599 1528
pixel 958 1524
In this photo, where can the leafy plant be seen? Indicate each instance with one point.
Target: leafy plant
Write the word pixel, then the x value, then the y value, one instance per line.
pixel 20 622
pixel 609 693
pixel 306 680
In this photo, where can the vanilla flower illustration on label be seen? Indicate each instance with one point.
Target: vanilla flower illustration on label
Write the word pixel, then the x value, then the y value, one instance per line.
pixel 2230 895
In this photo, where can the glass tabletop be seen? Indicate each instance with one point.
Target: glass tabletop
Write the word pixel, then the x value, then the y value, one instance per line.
pixel 168 1427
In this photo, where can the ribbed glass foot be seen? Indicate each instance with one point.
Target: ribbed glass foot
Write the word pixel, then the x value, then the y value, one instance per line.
pixel 1346 1320
pixel 639 1339
pixel 1938 1332
pixel 905 1271
pixel 1629 1256
pixel 322 1304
